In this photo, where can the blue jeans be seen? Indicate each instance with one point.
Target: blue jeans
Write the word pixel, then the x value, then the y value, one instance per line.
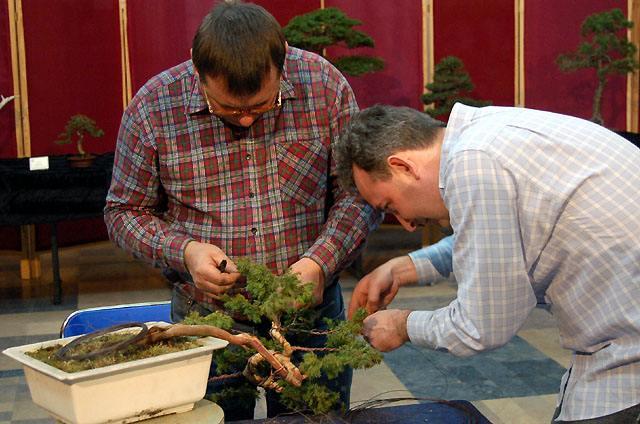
pixel 331 307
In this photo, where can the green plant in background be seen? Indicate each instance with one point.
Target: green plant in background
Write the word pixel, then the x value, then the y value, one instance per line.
pixel 605 49
pixel 450 84
pixel 78 127
pixel 322 28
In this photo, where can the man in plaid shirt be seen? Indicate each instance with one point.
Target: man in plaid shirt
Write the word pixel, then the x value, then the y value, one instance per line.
pixel 228 155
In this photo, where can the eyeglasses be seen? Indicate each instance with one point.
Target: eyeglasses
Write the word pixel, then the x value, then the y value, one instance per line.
pixel 237 112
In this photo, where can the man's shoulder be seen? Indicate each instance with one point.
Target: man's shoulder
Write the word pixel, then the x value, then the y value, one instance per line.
pixel 168 78
pixel 304 64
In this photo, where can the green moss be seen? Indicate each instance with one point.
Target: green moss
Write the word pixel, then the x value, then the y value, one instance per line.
pixel 130 353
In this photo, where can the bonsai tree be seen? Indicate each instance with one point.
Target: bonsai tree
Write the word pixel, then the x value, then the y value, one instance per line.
pixel 4 100
pixel 273 363
pixel 605 49
pixel 77 127
pixel 450 84
pixel 322 28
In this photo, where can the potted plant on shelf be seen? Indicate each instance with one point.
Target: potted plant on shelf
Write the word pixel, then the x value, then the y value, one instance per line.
pixel 322 28
pixel 605 49
pixel 451 84
pixel 268 362
pixel 77 128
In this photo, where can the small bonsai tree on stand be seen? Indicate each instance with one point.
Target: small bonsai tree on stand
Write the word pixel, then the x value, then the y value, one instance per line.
pixel 77 127
pixel 605 49
pixel 450 84
pixel 322 28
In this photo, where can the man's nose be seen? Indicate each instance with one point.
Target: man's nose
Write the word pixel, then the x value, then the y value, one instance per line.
pixel 409 226
pixel 246 120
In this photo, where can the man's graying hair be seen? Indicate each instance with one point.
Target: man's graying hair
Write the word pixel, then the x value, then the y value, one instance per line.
pixel 376 133
pixel 240 42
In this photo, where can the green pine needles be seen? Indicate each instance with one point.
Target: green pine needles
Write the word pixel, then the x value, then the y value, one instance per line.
pixel 605 49
pixel 322 28
pixel 451 84
pixel 272 302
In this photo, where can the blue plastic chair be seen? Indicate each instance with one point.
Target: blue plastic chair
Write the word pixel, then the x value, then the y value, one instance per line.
pixel 91 319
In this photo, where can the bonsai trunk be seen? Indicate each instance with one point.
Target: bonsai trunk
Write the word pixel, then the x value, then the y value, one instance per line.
pixel 79 144
pixel 597 100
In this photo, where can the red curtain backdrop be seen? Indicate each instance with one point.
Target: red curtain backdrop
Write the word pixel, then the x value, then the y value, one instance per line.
pixel 7 123
pixel 284 10
pixel 396 28
pixel 553 27
pixel 482 35
pixel 73 66
pixel 160 34
pixel 162 39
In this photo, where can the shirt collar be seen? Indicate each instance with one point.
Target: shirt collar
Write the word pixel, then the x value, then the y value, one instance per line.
pixel 459 117
pixel 197 104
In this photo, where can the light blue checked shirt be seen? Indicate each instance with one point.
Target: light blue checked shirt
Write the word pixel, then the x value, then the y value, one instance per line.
pixel 545 208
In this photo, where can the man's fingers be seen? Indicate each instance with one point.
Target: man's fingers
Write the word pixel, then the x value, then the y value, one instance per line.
pixel 390 295
pixel 358 300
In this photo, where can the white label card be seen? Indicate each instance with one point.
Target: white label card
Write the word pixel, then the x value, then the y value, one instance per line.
pixel 39 163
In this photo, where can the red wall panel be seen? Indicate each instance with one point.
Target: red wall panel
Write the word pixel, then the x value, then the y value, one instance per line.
pixel 284 10
pixel 73 66
pixel 162 39
pixel 482 35
pixel 396 28
pixel 551 28
pixel 7 123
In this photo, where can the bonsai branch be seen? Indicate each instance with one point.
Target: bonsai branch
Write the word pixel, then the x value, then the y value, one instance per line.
pixel 280 363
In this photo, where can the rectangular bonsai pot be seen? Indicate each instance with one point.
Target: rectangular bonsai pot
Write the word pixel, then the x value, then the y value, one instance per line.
pixel 124 393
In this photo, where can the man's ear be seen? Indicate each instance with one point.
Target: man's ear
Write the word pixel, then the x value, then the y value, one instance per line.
pixel 403 166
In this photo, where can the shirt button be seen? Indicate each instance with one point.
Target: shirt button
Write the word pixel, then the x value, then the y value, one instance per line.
pixel 254 230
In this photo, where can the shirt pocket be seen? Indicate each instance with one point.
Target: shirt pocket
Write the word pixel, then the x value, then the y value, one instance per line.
pixel 302 171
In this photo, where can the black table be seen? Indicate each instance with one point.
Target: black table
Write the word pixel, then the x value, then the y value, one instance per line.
pixel 451 412
pixel 60 193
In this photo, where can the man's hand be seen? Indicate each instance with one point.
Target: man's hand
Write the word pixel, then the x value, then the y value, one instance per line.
pixel 202 261
pixel 310 272
pixel 386 330
pixel 378 288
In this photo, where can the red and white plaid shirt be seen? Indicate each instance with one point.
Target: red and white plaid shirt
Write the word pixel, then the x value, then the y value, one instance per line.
pixel 182 174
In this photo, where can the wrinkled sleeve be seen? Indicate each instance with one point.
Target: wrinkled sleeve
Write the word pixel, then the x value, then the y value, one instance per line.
pixel 135 202
pixel 349 219
pixel 433 262
pixel 494 292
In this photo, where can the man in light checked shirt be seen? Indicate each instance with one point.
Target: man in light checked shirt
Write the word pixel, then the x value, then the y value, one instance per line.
pixel 545 209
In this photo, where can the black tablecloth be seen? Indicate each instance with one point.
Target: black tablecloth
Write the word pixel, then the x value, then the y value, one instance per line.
pixel 57 194
pixel 455 412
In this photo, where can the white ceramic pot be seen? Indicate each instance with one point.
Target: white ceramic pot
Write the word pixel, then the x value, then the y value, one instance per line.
pixel 120 393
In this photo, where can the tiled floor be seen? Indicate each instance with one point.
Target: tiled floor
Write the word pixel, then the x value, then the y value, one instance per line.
pixel 513 384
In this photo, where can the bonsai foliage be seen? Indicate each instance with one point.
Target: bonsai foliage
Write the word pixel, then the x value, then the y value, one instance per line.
pixel 322 28
pixel 275 363
pixel 450 84
pixel 77 127
pixel 605 49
